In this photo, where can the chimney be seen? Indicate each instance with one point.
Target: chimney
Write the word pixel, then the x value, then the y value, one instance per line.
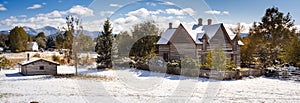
pixel 209 21
pixel 27 56
pixel 170 25
pixel 200 22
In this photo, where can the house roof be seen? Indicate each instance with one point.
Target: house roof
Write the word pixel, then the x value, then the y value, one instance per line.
pixel 166 36
pixel 196 32
pixel 26 62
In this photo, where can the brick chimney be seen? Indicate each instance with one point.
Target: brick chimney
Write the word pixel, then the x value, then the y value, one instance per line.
pixel 209 21
pixel 170 25
pixel 200 22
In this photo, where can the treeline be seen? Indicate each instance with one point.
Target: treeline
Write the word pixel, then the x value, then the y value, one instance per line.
pixel 139 42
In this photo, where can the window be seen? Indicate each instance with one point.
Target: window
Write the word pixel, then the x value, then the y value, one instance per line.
pixel 166 56
pixel 41 67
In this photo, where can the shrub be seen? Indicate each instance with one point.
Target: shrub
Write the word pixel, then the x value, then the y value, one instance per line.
pixel 5 63
pixel 208 60
pixel 230 66
pixel 56 58
pixel 37 55
pixel 174 64
pixel 190 63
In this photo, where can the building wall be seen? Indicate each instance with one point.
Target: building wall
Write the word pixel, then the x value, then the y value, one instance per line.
pixel 36 68
pixel 182 45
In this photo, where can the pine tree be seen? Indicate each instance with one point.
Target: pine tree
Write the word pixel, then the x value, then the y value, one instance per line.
pixel 292 54
pixel 18 39
pixel 104 45
pixel 208 60
pixel 271 35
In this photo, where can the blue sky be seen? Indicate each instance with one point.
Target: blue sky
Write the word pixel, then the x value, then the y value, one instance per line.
pixel 125 13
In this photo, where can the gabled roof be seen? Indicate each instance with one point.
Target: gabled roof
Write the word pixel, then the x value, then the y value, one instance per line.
pixel 196 32
pixel 26 62
pixel 166 36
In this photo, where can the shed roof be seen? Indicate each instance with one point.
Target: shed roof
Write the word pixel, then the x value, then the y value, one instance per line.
pixel 26 62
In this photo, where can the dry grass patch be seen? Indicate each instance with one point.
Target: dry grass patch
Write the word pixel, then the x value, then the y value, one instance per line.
pixel 83 76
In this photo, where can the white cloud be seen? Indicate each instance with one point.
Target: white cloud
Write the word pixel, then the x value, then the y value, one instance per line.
pixel 54 18
pixel 114 5
pixel 35 6
pixel 106 13
pixel 142 12
pixel 226 12
pixel 54 13
pixel 44 3
pixel 216 12
pixel 168 3
pixel 213 12
pixel 80 11
pixel 23 16
pixel 95 25
pixel 184 11
pixel 151 4
pixel 2 8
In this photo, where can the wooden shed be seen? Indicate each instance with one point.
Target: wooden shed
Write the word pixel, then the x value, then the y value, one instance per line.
pixel 38 66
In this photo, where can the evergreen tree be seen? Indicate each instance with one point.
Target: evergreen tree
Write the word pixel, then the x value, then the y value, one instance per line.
pixel 41 40
pixel 50 43
pixel 104 45
pixel 3 40
pixel 59 41
pixel 269 36
pixel 18 39
pixel 292 54
pixel 208 60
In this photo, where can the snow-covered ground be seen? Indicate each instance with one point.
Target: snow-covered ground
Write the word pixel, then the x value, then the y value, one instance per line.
pixel 130 85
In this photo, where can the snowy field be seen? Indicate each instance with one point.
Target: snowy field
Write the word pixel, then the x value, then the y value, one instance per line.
pixel 130 86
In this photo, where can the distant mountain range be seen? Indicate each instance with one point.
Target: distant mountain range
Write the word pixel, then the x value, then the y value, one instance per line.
pixel 51 31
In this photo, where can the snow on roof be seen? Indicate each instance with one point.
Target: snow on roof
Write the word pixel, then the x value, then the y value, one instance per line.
pixel 240 42
pixel 230 33
pixel 34 60
pixel 166 36
pixel 211 30
pixel 197 32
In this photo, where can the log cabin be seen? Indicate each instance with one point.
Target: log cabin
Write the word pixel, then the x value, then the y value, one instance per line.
pixel 38 66
pixel 195 41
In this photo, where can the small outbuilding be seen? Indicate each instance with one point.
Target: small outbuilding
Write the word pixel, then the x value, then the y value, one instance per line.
pixel 38 66
pixel 34 46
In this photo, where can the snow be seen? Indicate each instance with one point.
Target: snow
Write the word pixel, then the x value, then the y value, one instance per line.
pixel 33 60
pixel 166 36
pixel 197 32
pixel 131 85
